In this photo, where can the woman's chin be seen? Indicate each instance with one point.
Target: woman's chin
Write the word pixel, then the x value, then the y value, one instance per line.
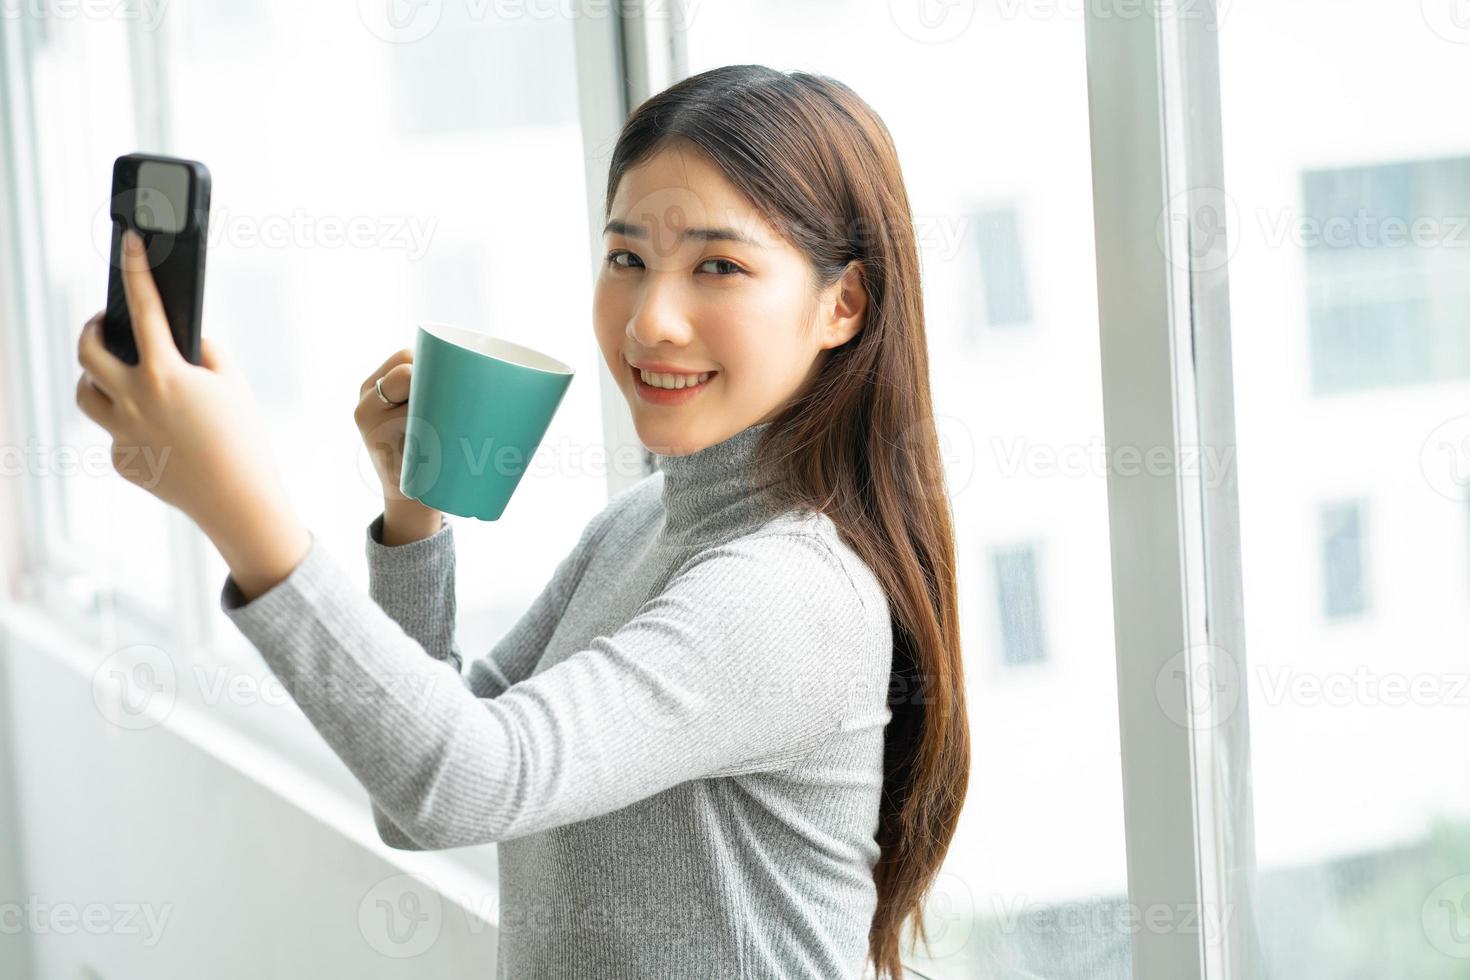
pixel 664 436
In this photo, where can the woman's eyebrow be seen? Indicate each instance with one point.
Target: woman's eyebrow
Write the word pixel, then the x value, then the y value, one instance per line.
pixel 617 227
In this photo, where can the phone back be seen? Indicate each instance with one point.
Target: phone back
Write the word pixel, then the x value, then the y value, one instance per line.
pixel 175 247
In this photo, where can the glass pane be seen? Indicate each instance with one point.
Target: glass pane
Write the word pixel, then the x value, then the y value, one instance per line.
pixel 396 178
pixel 364 180
pixel 1003 212
pixel 81 105
pixel 1347 166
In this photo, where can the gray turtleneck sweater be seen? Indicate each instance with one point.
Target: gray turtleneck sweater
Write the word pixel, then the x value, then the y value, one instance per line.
pixel 678 748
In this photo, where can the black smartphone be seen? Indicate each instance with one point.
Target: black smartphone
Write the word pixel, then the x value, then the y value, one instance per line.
pixel 166 201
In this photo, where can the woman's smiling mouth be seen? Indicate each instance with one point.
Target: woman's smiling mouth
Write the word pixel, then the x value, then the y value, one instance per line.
pixel 668 388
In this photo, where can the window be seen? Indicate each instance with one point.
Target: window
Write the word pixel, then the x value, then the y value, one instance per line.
pixel 1355 652
pixel 105 543
pixel 448 286
pixel 1018 605
pixel 476 72
pixel 1019 426
pixel 454 206
pixel 995 236
pixel 1322 342
pixel 252 301
pixel 1388 273
pixel 1344 591
pixel 357 190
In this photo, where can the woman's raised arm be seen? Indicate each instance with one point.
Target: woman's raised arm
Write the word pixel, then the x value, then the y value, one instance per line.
pixel 756 651
pixel 414 584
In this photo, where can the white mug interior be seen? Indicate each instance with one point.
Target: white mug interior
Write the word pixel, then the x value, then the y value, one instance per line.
pixel 503 350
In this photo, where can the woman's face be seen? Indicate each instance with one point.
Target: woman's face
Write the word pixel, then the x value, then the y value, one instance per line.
pixel 694 281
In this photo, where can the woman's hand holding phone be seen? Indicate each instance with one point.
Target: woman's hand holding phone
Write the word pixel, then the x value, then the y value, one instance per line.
pixel 382 427
pixel 190 434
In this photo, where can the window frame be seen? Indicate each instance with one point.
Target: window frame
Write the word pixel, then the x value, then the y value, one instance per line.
pixel 1164 316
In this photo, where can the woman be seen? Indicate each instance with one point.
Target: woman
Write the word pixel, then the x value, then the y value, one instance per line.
pixel 728 738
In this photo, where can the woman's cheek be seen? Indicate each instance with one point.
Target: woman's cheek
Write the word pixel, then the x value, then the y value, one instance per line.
pixel 605 328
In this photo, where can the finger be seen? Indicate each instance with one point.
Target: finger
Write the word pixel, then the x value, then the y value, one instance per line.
pixel 99 387
pixel 211 356
pixel 103 366
pixel 397 357
pixel 150 324
pixel 395 385
pixel 94 404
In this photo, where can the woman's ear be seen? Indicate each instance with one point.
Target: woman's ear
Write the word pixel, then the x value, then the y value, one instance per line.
pixel 845 304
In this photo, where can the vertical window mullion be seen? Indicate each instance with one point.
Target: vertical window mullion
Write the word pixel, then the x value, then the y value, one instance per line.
pixel 1220 724
pixel 26 390
pixel 603 99
pixel 1168 414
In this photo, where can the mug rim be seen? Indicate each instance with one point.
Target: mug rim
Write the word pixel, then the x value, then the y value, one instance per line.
pixel 504 350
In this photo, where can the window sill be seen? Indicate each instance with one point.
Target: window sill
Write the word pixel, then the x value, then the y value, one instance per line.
pixel 248 739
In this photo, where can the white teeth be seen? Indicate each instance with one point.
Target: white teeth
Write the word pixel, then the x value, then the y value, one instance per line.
pixel 674 381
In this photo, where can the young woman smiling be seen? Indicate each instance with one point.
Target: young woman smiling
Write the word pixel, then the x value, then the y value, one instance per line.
pixel 729 736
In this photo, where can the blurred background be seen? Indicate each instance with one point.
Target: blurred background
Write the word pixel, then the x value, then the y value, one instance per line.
pixel 380 164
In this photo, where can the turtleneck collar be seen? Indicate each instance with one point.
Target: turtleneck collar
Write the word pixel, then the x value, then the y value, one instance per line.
pixel 710 481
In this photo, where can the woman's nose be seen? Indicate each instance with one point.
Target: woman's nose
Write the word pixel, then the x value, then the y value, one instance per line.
pixel 658 317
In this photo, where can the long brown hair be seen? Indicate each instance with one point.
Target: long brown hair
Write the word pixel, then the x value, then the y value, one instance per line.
pixel 859 443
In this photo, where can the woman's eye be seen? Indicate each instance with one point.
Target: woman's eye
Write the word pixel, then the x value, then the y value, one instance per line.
pixel 732 268
pixel 723 267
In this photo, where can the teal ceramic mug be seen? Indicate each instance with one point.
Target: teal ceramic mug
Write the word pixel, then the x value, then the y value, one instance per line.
pixel 478 407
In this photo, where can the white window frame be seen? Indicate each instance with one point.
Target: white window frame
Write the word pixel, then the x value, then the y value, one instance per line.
pixel 1164 317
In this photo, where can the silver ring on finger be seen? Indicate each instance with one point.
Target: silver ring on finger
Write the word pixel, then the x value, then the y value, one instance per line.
pixel 378 386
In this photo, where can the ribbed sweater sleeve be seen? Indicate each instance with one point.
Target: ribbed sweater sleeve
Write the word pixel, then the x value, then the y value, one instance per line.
pixel 414 584
pixel 728 669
